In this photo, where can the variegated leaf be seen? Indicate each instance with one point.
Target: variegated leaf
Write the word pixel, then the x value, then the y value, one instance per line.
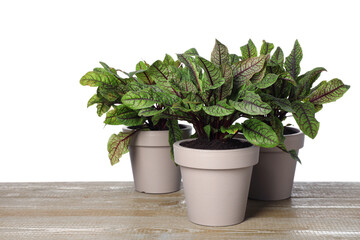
pixel 233 129
pixel 193 69
pixel 212 78
pixel 267 81
pixel 304 114
pixel 94 99
pixel 260 134
pixel 258 76
pixel 249 50
pixel 175 134
pixel 251 105
pixel 191 52
pixel 220 109
pixel 285 76
pixel 220 54
pixel 282 103
pixel 292 62
pixel 149 112
pixel 266 48
pixel 110 94
pixel 168 60
pixel 118 145
pixel 122 115
pixel 142 73
pixel 138 100
pixel 234 59
pixel 225 89
pixel 244 70
pixel 329 92
pixel 306 81
pixel 277 58
pixel 97 79
pixel 102 108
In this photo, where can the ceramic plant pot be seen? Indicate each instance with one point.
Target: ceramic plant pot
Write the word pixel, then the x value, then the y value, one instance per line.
pixel 153 169
pixel 216 183
pixel 273 176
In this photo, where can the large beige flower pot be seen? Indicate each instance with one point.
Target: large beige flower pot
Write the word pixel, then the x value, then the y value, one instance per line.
pixel 216 183
pixel 153 169
pixel 273 176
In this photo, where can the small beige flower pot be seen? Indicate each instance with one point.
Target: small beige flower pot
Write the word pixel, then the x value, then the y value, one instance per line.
pixel 273 176
pixel 216 183
pixel 153 169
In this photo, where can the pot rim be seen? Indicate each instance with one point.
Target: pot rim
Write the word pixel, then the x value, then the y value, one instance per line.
pixel 185 127
pixel 155 138
pixel 297 132
pixel 216 159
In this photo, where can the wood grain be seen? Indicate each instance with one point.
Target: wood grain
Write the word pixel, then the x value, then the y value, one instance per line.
pixel 113 210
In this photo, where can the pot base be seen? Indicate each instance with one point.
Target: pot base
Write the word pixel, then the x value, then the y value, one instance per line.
pixel 212 199
pixel 153 170
pixel 272 177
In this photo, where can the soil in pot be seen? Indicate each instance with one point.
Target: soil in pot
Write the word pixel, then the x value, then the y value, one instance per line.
pixel 217 144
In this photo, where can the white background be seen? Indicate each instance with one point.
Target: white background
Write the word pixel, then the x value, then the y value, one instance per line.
pixel 48 134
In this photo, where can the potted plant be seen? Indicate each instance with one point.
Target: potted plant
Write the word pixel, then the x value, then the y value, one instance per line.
pixel 212 95
pixel 287 92
pixel 147 138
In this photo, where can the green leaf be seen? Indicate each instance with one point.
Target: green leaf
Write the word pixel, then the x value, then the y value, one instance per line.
pixel 233 129
pixel 304 114
pixel 110 70
pixel 278 127
pixel 94 99
pixel 248 50
pixel 282 103
pixel 267 81
pixel 142 74
pixel 318 108
pixel 259 133
pixel 102 108
pixel 329 92
pixel 192 52
pixel 220 54
pixel 168 60
pixel 292 62
pixel 122 115
pixel 160 72
pixel 266 48
pixel 109 94
pixel 225 90
pixel 207 130
pixel 149 112
pixel 193 70
pixel 220 109
pixel 175 134
pixel 97 79
pixel 212 78
pixel 118 145
pixel 251 105
pixel 294 155
pixel 306 81
pixel 234 59
pixel 138 100
pixel 192 104
pixel 244 70
pixel 285 76
pixel 277 58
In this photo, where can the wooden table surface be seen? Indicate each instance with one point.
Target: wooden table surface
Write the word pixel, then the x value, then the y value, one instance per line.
pixel 113 210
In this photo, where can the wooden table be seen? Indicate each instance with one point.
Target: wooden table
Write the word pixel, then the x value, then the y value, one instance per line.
pixel 113 210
